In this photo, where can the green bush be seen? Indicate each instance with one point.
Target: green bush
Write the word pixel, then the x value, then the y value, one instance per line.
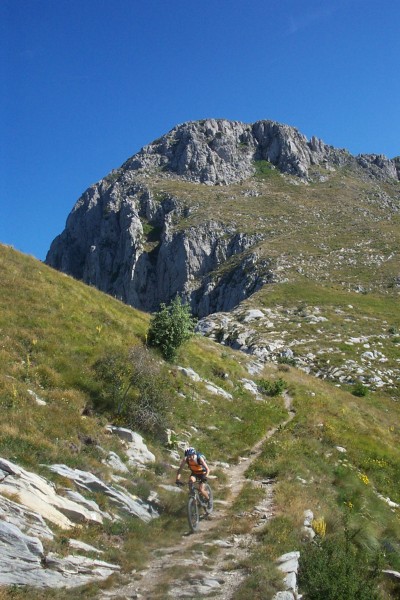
pixel 170 327
pixel 113 372
pixel 286 360
pixel 134 389
pixel 359 390
pixel 336 569
pixel 265 169
pixel 272 388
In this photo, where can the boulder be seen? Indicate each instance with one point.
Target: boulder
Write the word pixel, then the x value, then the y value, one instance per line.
pixel 24 562
pixel 122 432
pixel 90 505
pixel 78 545
pixel 115 463
pixel 284 596
pixel 138 453
pixel 253 315
pixel 250 386
pixel 39 495
pixel 189 373
pixel 121 498
pixel 28 521
pixel 215 389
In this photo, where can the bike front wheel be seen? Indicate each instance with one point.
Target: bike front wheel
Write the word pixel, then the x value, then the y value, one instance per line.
pixel 210 505
pixel 193 513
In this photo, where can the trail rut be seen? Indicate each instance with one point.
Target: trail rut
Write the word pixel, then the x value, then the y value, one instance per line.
pixel 203 576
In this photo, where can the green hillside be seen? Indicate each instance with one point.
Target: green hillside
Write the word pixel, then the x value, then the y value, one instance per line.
pixel 341 228
pixel 54 330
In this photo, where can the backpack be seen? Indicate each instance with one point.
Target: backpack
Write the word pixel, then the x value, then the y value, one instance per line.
pixel 200 455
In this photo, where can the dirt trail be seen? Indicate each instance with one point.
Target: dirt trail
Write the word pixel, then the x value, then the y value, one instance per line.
pixel 201 576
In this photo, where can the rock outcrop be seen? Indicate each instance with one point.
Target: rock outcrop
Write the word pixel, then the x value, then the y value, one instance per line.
pixel 122 499
pixel 274 336
pixel 40 496
pixel 221 152
pixel 104 245
pixel 24 562
pixel 133 243
pixel 30 505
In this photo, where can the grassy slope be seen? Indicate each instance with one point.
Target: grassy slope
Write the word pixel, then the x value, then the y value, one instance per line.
pixel 343 230
pixel 53 329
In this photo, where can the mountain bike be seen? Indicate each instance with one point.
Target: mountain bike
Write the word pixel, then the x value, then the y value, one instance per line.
pixel 197 503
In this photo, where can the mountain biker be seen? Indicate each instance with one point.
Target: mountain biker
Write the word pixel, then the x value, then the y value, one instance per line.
pixel 199 470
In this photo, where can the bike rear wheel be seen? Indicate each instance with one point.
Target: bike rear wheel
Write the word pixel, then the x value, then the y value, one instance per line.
pixel 193 513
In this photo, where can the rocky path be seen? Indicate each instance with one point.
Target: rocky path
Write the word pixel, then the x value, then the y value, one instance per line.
pixel 186 570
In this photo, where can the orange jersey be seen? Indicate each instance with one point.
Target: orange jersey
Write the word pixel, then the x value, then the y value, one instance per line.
pixel 195 466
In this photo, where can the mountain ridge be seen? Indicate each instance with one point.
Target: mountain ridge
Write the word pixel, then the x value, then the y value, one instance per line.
pixel 200 212
pixel 281 145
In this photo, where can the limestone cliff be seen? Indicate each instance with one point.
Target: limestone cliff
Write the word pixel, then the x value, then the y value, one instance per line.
pixel 125 240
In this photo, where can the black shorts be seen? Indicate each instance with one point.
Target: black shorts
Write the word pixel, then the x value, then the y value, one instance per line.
pixel 202 477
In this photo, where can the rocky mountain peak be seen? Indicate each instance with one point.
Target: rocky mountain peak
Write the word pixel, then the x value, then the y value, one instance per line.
pixel 221 152
pixel 130 238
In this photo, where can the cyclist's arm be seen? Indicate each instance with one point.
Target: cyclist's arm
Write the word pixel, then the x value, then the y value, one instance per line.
pixel 178 473
pixel 205 465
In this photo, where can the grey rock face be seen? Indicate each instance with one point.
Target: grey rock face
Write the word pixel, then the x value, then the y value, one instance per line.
pixel 378 166
pixel 28 521
pixel 124 500
pixel 106 245
pixel 39 495
pixel 23 562
pixel 396 162
pixel 220 152
pixel 211 151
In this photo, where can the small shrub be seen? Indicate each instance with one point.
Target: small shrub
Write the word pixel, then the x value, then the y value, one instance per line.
pixel 143 489
pixel 359 390
pixel 147 407
pixel 47 377
pixel 336 570
pixel 286 360
pixel 112 370
pixel 161 468
pixel 134 388
pixel 170 327
pixel 319 526
pixel 220 373
pixel 272 388
pixel 265 170
pixel 219 336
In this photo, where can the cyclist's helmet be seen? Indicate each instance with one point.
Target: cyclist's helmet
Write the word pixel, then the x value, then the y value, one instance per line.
pixel 190 451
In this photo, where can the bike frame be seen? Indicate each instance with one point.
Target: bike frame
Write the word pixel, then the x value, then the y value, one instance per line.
pixel 196 502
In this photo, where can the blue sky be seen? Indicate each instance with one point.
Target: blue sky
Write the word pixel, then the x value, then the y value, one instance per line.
pixel 86 83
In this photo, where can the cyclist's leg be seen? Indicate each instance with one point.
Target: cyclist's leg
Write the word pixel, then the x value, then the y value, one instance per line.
pixel 192 481
pixel 202 490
